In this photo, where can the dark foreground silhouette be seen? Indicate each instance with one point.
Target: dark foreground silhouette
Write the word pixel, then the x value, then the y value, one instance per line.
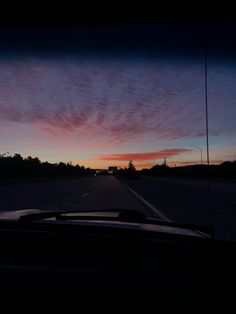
pixel 17 166
pixel 226 169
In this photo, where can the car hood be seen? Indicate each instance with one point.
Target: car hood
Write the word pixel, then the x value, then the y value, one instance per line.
pixel 14 215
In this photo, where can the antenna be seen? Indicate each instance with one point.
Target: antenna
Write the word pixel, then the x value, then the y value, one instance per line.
pixel 206 106
pixel 164 162
pixel 207 139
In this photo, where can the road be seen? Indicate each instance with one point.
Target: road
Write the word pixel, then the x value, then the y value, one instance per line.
pixel 182 200
pixel 84 193
pixel 187 200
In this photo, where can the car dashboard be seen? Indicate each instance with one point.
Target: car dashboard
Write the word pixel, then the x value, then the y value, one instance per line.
pixel 93 260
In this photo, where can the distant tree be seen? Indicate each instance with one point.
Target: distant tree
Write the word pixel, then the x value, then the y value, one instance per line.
pixel 131 166
pixel 18 157
pixel 32 161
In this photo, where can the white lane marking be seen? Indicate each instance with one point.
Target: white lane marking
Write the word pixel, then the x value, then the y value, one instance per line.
pixel 162 216
pixel 202 233
pixel 150 206
pixel 85 194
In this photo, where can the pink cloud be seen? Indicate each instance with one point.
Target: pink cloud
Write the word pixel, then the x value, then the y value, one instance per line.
pixel 118 102
pixel 147 156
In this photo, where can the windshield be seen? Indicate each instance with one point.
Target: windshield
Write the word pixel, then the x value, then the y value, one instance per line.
pixel 138 117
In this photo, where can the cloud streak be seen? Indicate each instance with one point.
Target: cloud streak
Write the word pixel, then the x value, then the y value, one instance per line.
pixel 120 101
pixel 147 156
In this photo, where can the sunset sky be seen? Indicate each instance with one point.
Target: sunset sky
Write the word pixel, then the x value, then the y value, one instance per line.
pixel 102 96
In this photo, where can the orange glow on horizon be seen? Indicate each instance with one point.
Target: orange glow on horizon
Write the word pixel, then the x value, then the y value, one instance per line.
pixel 139 166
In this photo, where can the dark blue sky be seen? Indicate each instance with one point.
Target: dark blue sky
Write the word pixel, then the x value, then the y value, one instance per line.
pixel 175 39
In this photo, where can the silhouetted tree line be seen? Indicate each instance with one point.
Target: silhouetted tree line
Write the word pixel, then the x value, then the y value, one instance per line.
pixel 17 166
pixel 226 169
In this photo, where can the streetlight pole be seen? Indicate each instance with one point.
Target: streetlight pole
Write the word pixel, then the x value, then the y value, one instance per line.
pixel 199 149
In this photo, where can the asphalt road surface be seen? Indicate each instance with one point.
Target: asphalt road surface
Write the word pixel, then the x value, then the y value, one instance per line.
pixel 182 200
pixel 101 192
pixel 188 200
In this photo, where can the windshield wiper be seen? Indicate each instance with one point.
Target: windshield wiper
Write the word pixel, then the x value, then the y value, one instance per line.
pixel 124 215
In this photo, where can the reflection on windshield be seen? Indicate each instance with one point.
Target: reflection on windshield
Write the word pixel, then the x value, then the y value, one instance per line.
pixel 96 118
